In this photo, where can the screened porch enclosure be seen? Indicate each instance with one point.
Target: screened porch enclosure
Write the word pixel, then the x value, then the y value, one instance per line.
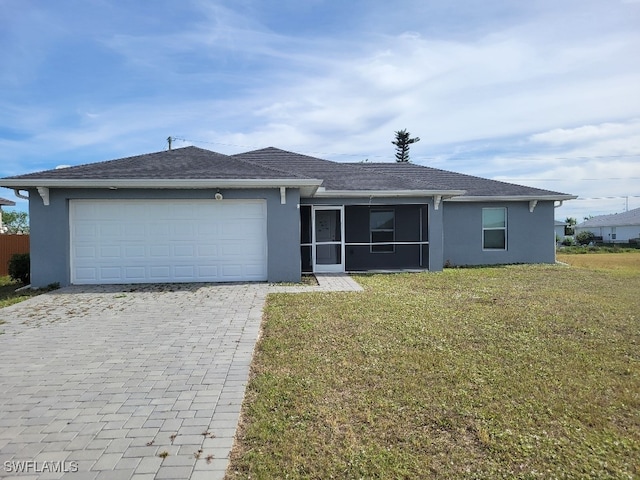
pixel 363 237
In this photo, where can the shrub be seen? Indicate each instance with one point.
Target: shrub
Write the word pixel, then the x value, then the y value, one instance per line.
pixel 585 238
pixel 20 267
pixel 567 241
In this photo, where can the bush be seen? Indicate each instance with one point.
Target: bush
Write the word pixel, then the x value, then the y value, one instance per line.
pixel 567 241
pixel 585 238
pixel 20 267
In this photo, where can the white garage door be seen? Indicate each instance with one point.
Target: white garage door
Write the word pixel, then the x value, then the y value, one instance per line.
pixel 149 241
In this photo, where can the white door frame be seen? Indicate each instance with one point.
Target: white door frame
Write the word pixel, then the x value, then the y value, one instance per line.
pixel 327 268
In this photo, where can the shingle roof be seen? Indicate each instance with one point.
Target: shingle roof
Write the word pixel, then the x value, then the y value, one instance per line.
pixel 181 163
pixel 386 176
pixel 435 178
pixel 8 203
pixel 629 218
pixel 272 165
pixel 336 176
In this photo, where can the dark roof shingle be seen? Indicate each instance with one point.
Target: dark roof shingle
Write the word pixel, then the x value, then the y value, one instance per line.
pixel 434 178
pixel 192 163
pixel 180 163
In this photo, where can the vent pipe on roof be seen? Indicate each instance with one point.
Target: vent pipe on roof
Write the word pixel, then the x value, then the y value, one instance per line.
pixel 169 140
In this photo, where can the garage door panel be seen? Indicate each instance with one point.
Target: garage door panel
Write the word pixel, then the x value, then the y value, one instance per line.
pixel 111 273
pixel 85 230
pixel 111 229
pixel 207 251
pixel 85 252
pixel 160 251
pixel 137 241
pixel 86 274
pixel 184 251
pixel 184 271
pixel 159 230
pixel 134 230
pixel 110 251
pixel 208 228
pixel 209 271
pixel 160 273
pixel 135 251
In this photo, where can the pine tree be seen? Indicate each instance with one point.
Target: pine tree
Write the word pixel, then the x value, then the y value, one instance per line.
pixel 402 143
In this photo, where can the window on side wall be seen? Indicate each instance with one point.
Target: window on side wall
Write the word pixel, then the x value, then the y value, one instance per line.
pixel 494 228
pixel 382 225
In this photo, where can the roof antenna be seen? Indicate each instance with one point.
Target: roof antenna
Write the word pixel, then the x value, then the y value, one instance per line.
pixel 169 140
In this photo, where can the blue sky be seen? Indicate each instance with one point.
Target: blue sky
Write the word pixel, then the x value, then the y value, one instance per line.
pixel 542 93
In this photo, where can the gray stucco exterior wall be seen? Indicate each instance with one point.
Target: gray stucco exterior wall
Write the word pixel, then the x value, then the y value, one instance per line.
pixel 50 248
pixel 530 235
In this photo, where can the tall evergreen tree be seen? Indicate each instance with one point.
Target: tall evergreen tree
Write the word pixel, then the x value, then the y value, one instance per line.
pixel 402 143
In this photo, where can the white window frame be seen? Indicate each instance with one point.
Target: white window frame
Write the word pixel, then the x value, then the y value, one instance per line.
pixel 484 229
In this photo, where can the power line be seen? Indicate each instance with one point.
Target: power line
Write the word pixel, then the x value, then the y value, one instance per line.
pixel 618 197
pixel 567 179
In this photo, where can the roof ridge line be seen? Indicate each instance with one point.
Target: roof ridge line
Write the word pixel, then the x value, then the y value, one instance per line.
pixel 267 167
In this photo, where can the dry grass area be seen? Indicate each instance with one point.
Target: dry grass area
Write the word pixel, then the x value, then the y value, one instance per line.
pixel 622 262
pixel 512 372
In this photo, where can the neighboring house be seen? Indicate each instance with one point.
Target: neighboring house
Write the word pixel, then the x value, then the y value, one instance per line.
pixel 560 229
pixel 6 203
pixel 614 228
pixel 191 215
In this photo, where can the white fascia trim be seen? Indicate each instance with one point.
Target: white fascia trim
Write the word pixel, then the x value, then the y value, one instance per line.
pixel 512 198
pixel 386 193
pixel 198 183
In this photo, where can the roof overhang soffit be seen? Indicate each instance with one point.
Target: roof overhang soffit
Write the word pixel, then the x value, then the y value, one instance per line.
pixel 307 187
pixel 438 195
pixel 532 200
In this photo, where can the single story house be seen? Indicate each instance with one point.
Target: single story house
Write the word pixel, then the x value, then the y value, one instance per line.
pixel 193 215
pixel 562 230
pixel 4 203
pixel 614 228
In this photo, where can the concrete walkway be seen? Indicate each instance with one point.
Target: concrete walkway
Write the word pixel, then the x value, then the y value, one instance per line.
pixel 129 382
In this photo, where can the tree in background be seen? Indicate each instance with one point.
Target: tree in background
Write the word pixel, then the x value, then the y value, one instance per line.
pixel 569 229
pixel 402 143
pixel 15 222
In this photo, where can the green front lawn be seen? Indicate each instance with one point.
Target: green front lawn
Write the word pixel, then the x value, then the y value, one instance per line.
pixel 8 295
pixel 512 372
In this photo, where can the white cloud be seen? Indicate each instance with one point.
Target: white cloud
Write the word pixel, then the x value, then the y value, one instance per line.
pixel 592 133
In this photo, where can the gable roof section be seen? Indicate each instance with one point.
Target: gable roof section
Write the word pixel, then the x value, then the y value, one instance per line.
pixel 630 218
pixel 180 163
pixel 188 167
pixel 7 203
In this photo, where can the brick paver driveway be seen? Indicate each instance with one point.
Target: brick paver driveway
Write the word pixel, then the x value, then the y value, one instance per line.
pixel 125 382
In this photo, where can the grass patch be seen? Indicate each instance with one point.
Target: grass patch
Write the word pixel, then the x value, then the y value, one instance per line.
pixel 512 372
pixel 623 262
pixel 9 296
pixel 615 248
